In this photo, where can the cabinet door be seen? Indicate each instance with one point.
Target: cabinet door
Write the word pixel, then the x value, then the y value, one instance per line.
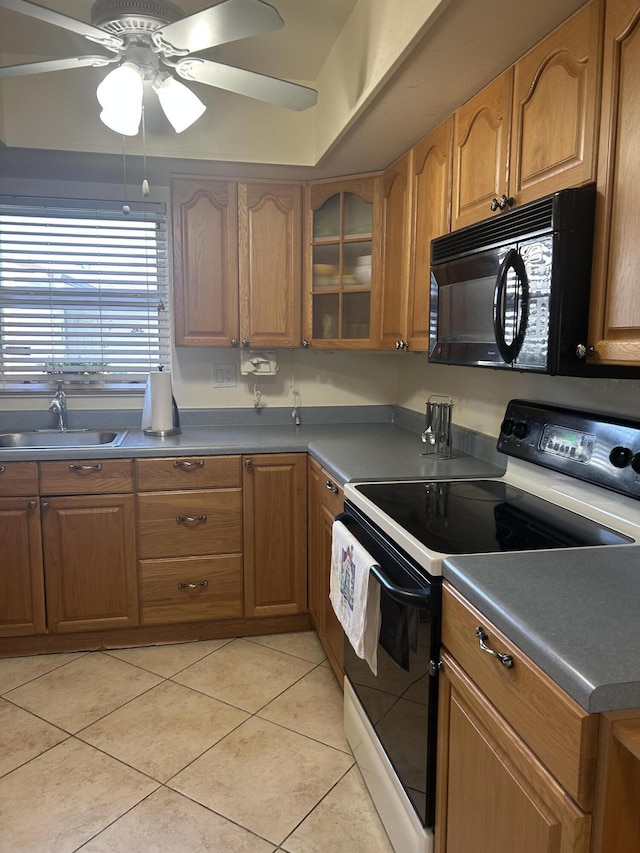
pixel 270 264
pixel 21 576
pixel 275 534
pixel 205 261
pixel 494 796
pixel 555 94
pixel 431 179
pixel 315 568
pixel 615 307
pixel 90 562
pixel 481 152
pixel 396 225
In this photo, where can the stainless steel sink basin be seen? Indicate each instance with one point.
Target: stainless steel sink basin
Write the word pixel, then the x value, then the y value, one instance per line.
pixel 54 438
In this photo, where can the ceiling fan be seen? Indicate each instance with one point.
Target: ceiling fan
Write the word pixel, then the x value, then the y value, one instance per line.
pixel 152 38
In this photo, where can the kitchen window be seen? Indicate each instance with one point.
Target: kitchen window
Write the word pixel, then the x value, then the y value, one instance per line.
pixel 83 294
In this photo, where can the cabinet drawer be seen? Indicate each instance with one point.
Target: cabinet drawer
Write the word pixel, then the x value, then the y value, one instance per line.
pixel 168 594
pixel 86 477
pixel 557 729
pixel 188 472
pixel 189 524
pixel 18 478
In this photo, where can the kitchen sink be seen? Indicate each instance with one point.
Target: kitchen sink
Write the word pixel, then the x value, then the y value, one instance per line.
pixel 54 438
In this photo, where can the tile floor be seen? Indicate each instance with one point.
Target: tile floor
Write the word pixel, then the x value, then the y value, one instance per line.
pixel 222 745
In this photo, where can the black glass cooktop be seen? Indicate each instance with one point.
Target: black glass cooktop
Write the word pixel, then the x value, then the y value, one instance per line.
pixel 482 516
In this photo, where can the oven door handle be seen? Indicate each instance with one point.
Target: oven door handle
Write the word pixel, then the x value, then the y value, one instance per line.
pixel 410 597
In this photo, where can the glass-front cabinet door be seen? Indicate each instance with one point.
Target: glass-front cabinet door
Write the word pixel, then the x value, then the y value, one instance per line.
pixel 342 263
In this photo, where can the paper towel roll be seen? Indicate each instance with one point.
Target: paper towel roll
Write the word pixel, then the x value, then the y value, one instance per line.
pixel 161 401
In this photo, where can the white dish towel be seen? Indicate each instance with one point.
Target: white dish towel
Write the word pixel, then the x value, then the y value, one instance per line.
pixel 356 601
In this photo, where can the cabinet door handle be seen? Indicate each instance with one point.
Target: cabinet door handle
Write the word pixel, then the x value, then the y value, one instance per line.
pixel 505 660
pixel 97 467
pixel 45 506
pixel 190 519
pixel 245 342
pixel 248 463
pixel 234 342
pixel 192 585
pixel 188 465
pixel 331 487
pixel 2 469
pixel 32 504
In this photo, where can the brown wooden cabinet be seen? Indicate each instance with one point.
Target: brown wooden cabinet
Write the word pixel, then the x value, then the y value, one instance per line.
pixel 326 500
pixel 275 534
pixel 516 756
pixel 22 609
pixel 237 259
pixel 342 263
pixel 89 544
pixel 396 247
pixel 615 306
pixel 189 538
pixel 532 130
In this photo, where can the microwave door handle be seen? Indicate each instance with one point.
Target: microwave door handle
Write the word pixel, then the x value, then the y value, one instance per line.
pixel 513 260
pixel 410 597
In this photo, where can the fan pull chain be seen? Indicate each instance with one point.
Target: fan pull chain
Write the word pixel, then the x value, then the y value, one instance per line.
pixel 125 207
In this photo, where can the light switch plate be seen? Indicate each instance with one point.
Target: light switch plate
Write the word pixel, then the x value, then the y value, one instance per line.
pixel 224 376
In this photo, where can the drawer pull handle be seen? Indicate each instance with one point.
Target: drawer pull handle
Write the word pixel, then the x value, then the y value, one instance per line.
pixel 190 519
pixel 188 465
pixel 331 487
pixel 505 660
pixel 192 585
pixel 2 469
pixel 97 467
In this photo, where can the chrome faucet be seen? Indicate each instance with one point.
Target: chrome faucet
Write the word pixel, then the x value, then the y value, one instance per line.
pixel 58 406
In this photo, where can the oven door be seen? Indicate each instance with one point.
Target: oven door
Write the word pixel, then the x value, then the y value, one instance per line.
pixel 400 702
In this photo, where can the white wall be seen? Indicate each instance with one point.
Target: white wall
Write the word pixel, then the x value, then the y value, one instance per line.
pixel 480 395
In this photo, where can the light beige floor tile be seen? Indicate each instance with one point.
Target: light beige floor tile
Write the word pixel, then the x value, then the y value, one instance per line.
pixel 17 671
pixel 168 823
pixel 345 821
pixel 63 798
pixel 23 736
pixel 263 777
pixel 302 644
pixel 313 707
pixel 79 693
pixel 169 659
pixel 244 674
pixel 163 730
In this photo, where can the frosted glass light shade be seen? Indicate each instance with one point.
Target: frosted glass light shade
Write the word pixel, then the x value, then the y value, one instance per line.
pixel 120 96
pixel 179 103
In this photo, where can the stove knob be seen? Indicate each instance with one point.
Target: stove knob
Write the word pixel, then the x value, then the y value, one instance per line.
pixel 507 425
pixel 635 462
pixel 521 430
pixel 620 456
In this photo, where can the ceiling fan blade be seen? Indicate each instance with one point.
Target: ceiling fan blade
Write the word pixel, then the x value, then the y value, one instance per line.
pixel 227 21
pixel 250 83
pixel 54 65
pixel 43 13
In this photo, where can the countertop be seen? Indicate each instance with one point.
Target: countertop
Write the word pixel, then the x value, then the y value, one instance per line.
pixel 574 612
pixel 349 451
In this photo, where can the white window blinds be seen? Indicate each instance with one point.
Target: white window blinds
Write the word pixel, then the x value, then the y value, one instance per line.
pixel 83 293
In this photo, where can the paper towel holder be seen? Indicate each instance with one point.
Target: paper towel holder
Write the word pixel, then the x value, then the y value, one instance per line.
pixel 175 429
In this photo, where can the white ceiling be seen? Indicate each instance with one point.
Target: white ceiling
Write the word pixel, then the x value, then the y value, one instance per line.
pixel 445 58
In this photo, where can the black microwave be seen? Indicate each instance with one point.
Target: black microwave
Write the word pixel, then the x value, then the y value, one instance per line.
pixel 513 291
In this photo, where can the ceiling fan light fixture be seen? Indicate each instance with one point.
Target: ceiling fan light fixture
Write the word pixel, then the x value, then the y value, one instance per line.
pixel 120 96
pixel 180 105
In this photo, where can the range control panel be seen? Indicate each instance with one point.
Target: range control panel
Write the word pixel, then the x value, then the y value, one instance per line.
pixel 601 449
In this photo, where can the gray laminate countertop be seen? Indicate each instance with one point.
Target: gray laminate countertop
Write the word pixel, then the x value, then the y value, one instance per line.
pixel 574 612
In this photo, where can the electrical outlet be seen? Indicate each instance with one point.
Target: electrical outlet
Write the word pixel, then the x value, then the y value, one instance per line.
pixel 224 376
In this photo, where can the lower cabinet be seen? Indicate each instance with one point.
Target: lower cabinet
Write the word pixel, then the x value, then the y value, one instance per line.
pixel 275 534
pixel 90 562
pixel 325 502
pixel 22 608
pixel 190 538
pixel 516 756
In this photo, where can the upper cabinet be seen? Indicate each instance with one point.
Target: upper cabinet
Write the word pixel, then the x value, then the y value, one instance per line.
pixel 342 263
pixel 531 131
pixel 615 307
pixel 237 255
pixel 205 261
